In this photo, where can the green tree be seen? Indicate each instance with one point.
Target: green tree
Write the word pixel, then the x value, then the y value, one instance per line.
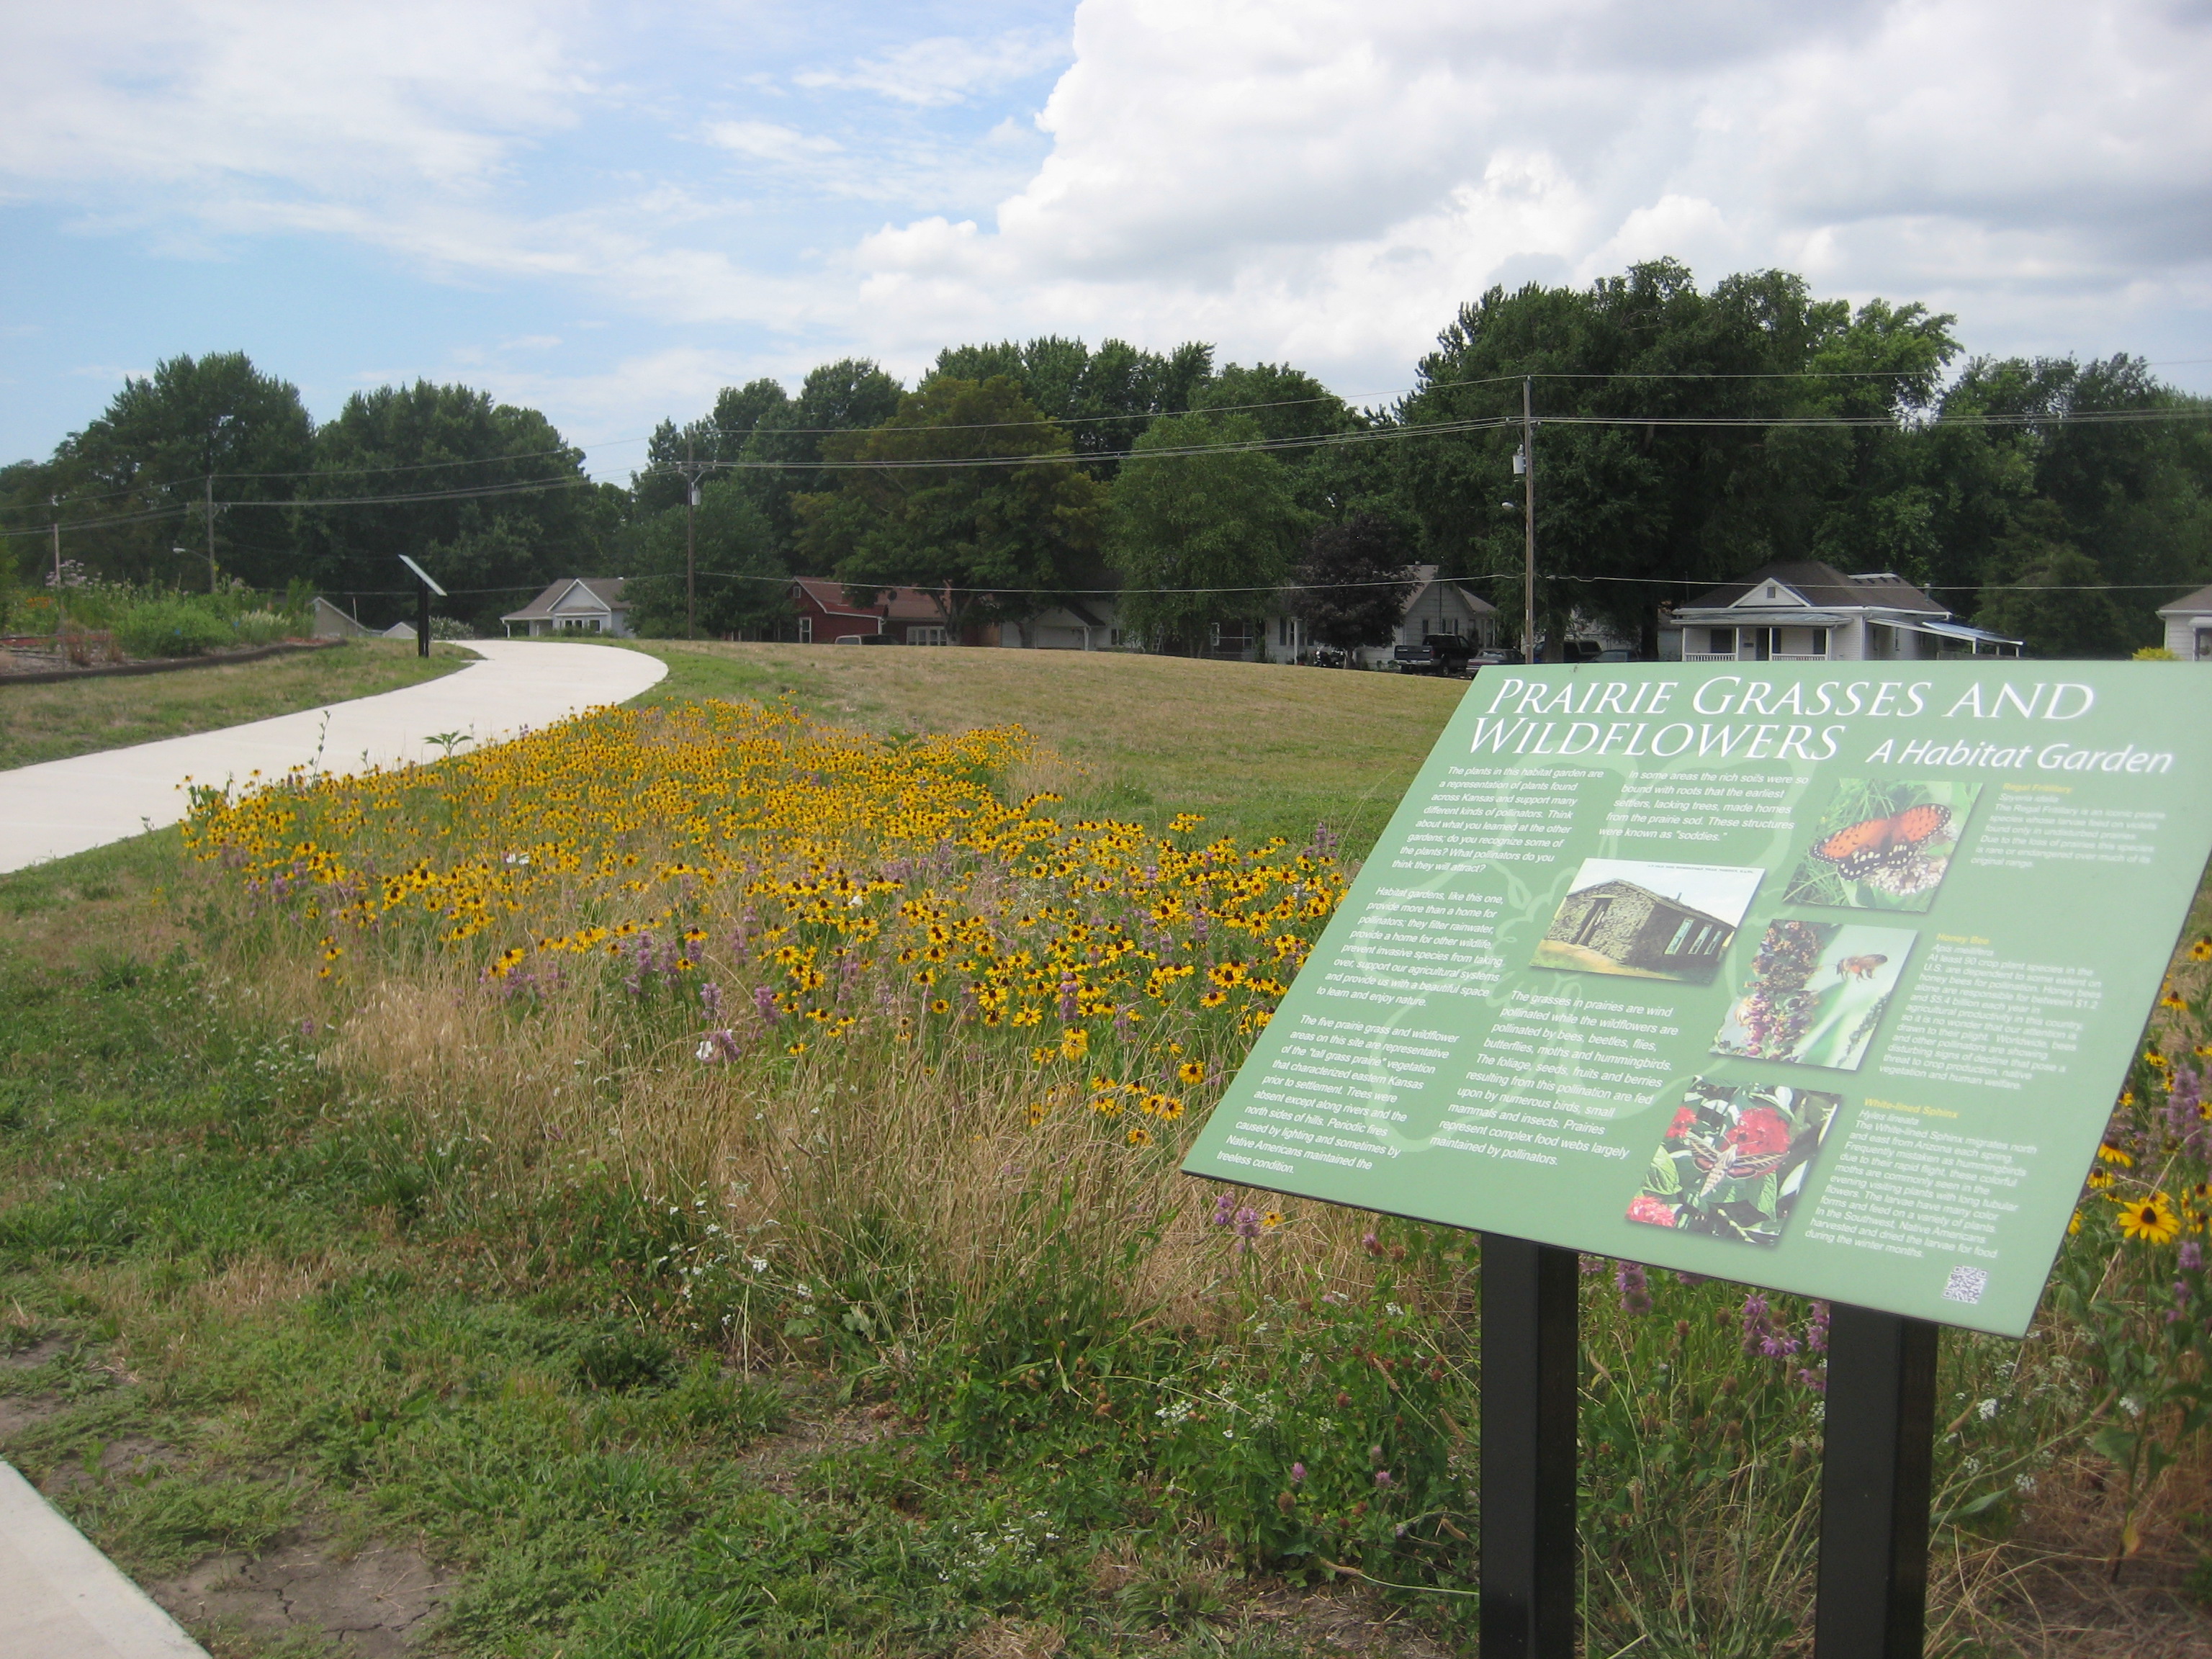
pixel 963 491
pixel 1658 475
pixel 147 460
pixel 742 580
pixel 674 454
pixel 2044 591
pixel 1354 583
pixel 1106 398
pixel 1191 512
pixel 781 458
pixel 487 496
pixel 2030 483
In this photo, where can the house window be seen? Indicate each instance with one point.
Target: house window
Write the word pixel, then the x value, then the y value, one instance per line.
pixel 1723 643
pixel 927 637
pixel 806 630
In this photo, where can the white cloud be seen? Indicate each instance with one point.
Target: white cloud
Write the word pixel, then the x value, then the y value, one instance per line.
pixel 769 141
pixel 339 96
pixel 1294 177
pixel 946 70
pixel 1299 179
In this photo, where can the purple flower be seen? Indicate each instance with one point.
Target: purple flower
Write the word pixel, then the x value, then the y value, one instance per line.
pixel 710 999
pixel 1634 1287
pixel 1382 1478
pixel 764 1004
pixel 1298 1474
pixel 1246 1223
pixel 2192 1256
pixel 1225 1208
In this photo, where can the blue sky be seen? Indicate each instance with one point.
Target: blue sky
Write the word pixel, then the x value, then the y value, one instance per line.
pixel 610 210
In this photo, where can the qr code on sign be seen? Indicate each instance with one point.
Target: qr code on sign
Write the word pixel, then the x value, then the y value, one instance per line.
pixel 1966 1285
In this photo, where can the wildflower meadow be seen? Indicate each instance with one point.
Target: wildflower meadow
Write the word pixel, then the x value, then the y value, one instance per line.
pixel 854 1058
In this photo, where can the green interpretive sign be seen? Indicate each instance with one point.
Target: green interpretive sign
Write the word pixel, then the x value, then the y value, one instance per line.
pixel 1816 976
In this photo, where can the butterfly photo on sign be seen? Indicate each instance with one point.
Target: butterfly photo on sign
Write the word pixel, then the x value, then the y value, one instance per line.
pixel 1733 1160
pixel 1882 845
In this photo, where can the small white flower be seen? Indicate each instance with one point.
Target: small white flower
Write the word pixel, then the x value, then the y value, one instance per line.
pixel 758 1264
pixel 1392 1308
pixel 2023 1484
pixel 1986 1410
pixel 2130 1405
pixel 802 1290
pixel 706 1050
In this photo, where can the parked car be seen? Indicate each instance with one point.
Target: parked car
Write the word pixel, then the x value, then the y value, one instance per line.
pixel 1439 653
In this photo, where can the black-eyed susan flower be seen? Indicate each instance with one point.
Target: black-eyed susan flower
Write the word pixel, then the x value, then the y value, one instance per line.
pixel 2149 1220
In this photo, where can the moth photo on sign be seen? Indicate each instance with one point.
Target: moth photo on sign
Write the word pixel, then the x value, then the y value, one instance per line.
pixel 1815 994
pixel 1735 1159
pixel 1882 845
pixel 1648 921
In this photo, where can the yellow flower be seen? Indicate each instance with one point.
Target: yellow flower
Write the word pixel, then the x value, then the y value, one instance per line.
pixel 2202 950
pixel 1140 1135
pixel 2074 1225
pixel 2149 1220
pixel 1212 1000
pixel 1273 1219
pixel 2100 1179
pixel 1190 1071
pixel 2109 1152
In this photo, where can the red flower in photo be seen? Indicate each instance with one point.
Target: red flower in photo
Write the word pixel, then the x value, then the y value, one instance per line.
pixel 1686 1118
pixel 1649 1211
pixel 1760 1133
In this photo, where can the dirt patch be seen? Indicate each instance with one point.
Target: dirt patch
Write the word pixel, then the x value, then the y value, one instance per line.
pixel 30 1358
pixel 19 1411
pixel 373 1603
pixel 776 1462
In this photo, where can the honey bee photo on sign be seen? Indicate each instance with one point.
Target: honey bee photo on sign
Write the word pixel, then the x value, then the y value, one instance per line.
pixel 1816 993
pixel 1882 845
pixel 1735 1159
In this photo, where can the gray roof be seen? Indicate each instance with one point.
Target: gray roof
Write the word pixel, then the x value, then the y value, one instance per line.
pixel 1825 587
pixel 607 590
pixel 2199 604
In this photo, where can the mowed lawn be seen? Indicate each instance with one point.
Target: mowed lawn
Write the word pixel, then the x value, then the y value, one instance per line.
pixel 1260 750
pixel 81 717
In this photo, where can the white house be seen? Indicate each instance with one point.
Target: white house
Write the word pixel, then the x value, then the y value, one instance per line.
pixel 1812 612
pixel 1437 606
pixel 574 604
pixel 2189 626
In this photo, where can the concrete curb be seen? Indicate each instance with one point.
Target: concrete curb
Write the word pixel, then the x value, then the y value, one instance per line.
pixel 62 1599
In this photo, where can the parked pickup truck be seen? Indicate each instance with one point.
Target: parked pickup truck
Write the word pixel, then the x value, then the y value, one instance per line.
pixel 1439 653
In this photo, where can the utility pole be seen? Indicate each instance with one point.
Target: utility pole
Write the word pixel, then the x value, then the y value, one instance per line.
pixel 691 540
pixel 55 503
pixel 211 527
pixel 1529 518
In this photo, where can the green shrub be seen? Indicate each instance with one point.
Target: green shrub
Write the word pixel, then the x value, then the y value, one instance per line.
pixel 171 628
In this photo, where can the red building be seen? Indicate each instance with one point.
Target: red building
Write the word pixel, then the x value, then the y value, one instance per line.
pixel 905 615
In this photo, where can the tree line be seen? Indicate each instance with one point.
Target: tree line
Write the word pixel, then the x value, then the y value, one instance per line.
pixel 1684 435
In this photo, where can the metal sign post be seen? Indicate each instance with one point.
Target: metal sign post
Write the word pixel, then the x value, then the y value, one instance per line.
pixel 1529 1383
pixel 1878 1444
pixel 424 588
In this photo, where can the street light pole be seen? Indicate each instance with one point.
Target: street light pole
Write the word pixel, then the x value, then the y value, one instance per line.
pixel 1529 518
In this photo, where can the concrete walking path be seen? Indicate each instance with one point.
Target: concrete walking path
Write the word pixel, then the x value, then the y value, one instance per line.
pixel 65 807
pixel 62 1599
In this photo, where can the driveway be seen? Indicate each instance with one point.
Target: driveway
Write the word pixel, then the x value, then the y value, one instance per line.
pixel 65 807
